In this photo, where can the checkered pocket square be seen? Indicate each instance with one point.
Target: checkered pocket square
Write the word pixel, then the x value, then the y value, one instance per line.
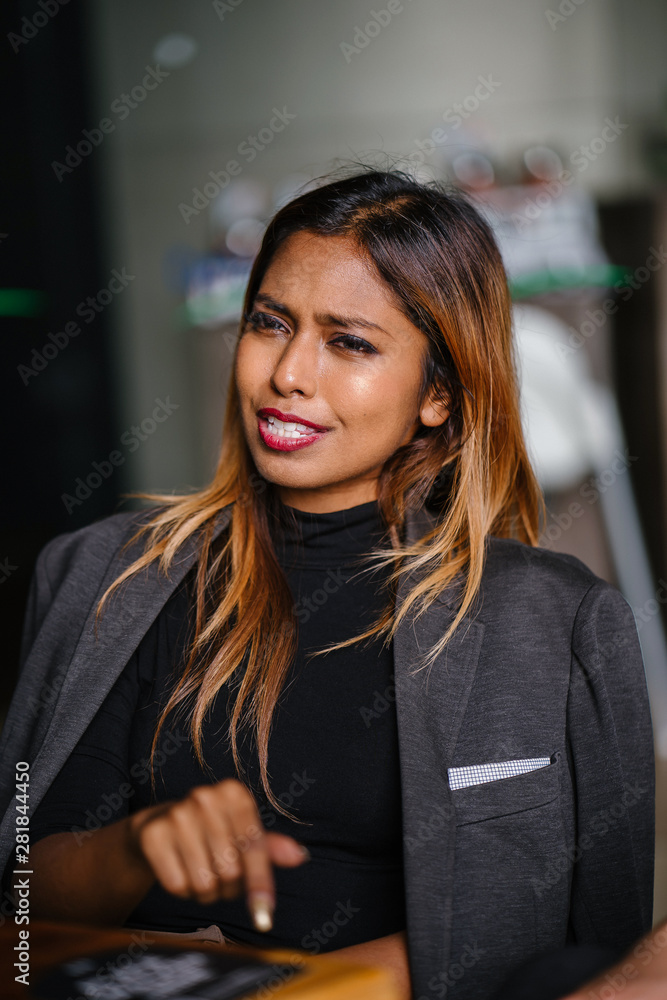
pixel 477 774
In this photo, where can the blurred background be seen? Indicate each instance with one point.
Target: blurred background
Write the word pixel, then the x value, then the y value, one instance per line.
pixel 147 143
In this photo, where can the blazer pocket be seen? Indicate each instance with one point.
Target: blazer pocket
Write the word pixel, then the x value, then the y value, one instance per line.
pixel 505 796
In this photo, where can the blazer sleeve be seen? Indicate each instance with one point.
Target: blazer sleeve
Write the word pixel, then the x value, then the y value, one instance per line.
pixel 610 751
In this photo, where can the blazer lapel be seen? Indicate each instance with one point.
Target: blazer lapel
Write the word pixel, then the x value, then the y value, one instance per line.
pixel 429 714
pixel 98 659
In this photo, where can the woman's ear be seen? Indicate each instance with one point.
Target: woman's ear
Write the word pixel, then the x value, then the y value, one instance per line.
pixel 434 410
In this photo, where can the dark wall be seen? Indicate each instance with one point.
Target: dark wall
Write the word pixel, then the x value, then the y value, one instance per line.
pixel 57 402
pixel 628 229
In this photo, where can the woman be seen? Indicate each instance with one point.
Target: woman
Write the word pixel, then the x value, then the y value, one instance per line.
pixel 349 641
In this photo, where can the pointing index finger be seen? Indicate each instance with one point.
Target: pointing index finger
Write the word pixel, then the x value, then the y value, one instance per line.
pixel 250 838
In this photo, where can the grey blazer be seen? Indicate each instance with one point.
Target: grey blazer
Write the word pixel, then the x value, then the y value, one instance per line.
pixel 548 665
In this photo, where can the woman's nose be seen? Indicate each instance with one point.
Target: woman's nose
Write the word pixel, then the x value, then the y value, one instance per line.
pixel 298 364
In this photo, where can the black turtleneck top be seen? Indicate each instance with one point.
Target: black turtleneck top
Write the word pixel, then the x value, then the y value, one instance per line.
pixel 332 756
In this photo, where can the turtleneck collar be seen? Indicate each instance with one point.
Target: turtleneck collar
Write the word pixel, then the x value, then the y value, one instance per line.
pixel 327 539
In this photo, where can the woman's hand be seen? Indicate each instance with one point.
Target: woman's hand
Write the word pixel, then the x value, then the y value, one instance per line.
pixel 211 844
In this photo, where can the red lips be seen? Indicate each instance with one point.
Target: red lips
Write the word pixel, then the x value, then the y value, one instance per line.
pixel 271 411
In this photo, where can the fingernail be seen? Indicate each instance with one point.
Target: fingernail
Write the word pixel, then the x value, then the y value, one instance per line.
pixel 305 852
pixel 261 908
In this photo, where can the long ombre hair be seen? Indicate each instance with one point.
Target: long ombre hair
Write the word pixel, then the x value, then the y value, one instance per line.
pixel 438 256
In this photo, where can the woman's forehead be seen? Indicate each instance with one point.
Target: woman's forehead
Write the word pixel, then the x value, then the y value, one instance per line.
pixel 308 263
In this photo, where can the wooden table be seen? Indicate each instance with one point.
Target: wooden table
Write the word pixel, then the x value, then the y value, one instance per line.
pixel 322 978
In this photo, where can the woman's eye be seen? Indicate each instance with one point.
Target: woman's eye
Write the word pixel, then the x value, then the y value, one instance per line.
pixel 355 344
pixel 264 321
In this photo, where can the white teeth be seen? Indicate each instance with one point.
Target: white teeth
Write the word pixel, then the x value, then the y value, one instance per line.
pixel 288 429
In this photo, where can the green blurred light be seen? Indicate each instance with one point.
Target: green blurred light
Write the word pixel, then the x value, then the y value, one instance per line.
pixel 600 275
pixel 22 302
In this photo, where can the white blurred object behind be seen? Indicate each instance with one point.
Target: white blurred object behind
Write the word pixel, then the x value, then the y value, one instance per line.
pixel 573 429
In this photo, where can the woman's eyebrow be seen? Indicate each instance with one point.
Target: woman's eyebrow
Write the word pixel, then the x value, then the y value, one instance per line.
pixel 323 318
pixel 350 321
pixel 273 304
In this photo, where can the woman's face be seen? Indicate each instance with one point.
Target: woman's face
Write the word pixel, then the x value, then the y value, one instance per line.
pixel 327 343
